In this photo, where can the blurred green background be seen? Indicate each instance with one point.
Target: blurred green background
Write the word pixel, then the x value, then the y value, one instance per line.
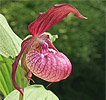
pixel 82 41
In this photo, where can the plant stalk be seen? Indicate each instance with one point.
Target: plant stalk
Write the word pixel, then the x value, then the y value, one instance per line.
pixel 22 75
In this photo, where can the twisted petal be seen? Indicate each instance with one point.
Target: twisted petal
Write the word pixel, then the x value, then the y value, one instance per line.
pixel 24 46
pixel 14 67
pixel 49 18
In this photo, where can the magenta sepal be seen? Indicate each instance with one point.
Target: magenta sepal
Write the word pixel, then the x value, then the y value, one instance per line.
pixel 49 18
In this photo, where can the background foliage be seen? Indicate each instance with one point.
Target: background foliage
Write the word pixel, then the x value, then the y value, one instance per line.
pixel 81 40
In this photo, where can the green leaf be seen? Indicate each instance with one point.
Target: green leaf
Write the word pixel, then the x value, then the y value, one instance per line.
pixel 6 85
pixel 10 43
pixel 33 92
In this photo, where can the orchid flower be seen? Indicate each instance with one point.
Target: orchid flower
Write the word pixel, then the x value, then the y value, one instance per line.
pixel 40 57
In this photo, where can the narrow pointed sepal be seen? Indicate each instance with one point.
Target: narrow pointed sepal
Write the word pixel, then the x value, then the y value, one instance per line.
pixel 14 67
pixel 24 46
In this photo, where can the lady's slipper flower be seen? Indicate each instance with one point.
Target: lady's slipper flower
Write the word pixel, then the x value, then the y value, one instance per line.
pixel 40 57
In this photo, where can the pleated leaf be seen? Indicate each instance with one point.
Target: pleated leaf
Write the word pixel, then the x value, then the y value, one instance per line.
pixel 6 85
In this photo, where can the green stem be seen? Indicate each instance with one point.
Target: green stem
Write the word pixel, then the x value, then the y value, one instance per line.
pixel 20 97
pixel 22 75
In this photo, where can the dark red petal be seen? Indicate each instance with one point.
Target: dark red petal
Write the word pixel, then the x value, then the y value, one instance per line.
pixel 14 67
pixel 15 64
pixel 47 19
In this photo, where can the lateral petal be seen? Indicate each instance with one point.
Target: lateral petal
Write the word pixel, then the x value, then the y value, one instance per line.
pixel 24 46
pixel 49 18
pixel 14 67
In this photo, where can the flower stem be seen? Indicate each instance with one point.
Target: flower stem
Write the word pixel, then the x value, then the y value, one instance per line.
pixel 20 97
pixel 22 75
